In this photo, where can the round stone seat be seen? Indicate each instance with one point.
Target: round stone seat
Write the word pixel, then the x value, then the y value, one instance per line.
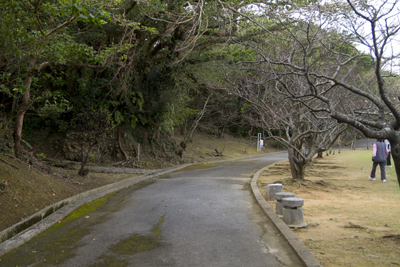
pixel 293 202
pixel 281 195
pixel 279 205
pixel 292 212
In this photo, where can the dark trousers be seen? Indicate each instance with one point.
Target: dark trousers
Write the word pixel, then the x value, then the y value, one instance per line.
pixel 388 163
pixel 382 166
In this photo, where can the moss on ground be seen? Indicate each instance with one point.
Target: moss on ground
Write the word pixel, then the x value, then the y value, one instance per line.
pixel 62 244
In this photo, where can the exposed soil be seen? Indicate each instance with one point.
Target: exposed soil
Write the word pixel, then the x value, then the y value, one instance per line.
pixel 352 221
pixel 30 188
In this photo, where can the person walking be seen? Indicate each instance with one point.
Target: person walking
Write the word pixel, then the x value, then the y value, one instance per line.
pixel 389 148
pixel 379 155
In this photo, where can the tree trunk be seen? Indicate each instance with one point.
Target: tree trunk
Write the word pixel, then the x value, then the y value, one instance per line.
pixel 189 138
pixel 301 171
pixel 221 131
pixel 183 129
pixel 121 147
pixel 396 159
pixel 26 103
pixel 292 164
pixel 85 157
pixel 297 166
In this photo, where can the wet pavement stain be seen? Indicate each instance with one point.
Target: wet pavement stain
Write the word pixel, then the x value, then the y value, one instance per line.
pixel 135 244
pixel 110 261
pixel 198 167
pixel 246 186
pixel 54 247
pixel 156 229
pixel 139 243
pixel 209 165
pixel 129 246
pixel 78 213
pixel 238 162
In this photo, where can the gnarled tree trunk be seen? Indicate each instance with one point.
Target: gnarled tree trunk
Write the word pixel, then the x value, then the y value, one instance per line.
pixel 23 108
pixel 396 158
pixel 297 166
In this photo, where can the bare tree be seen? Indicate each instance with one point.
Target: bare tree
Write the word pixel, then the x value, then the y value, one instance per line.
pixel 345 53
pixel 269 108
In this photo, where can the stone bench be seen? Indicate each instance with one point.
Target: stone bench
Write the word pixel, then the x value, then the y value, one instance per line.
pixel 279 205
pixel 292 212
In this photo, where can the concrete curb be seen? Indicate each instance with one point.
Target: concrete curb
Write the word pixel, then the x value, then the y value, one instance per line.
pixel 30 227
pixel 302 251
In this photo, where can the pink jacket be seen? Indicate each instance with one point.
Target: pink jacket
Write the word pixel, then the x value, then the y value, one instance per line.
pixel 375 149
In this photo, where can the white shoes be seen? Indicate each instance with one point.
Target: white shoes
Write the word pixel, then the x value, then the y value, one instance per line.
pixel 373 179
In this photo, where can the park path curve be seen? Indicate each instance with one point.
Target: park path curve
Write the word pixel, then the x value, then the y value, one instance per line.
pixel 204 215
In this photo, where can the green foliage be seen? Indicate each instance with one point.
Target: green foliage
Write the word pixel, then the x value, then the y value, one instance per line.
pixel 27 144
pixel 53 103
pixel 118 117
pixel 41 155
pixel 92 123
pixel 131 64
pixel 89 127
pixel 85 11
pixel 137 98
pixel 177 112
pixel 92 157
pixel 230 54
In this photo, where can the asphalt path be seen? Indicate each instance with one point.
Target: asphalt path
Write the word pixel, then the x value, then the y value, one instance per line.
pixel 204 215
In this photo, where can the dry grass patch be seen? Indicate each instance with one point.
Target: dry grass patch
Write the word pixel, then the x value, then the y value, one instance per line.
pixel 352 221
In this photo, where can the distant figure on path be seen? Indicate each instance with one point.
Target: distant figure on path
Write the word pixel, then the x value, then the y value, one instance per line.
pixel 379 155
pixel 389 148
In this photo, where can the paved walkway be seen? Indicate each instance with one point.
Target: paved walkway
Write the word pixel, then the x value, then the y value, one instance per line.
pixel 206 215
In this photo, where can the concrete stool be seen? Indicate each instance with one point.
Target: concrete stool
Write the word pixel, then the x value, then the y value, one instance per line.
pixel 279 205
pixel 271 189
pixel 292 212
